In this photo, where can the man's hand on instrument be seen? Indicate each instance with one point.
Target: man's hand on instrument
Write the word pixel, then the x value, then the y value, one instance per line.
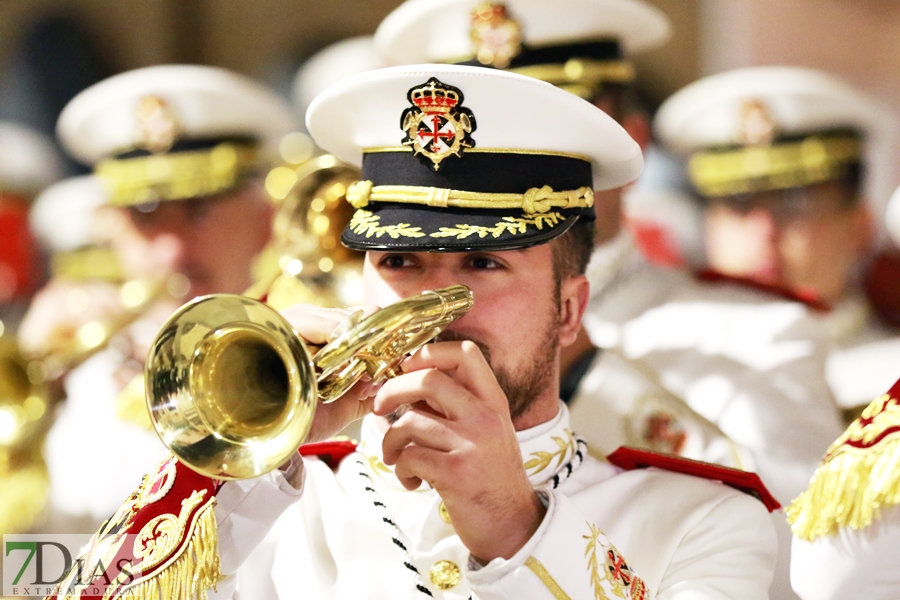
pixel 458 436
pixel 315 324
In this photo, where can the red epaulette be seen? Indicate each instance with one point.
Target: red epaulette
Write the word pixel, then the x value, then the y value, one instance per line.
pixel 743 481
pixel 330 452
pixel 810 299
pixel 162 542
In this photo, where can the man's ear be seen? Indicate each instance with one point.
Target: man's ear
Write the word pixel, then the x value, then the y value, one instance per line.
pixel 638 127
pixel 262 217
pixel 864 227
pixel 574 293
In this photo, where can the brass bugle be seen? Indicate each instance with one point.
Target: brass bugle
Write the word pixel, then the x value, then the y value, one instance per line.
pixel 232 388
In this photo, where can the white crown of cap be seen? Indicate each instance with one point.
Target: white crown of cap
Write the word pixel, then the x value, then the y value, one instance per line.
pixel 707 113
pixel 331 64
pixel 28 159
pixel 207 101
pixel 511 111
pixel 62 216
pixel 420 31
pixel 892 217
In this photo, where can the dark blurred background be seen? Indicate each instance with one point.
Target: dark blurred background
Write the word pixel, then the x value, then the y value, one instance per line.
pixel 50 49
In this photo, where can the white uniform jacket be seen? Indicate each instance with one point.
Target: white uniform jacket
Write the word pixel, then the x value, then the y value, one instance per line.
pixel 94 457
pixel 865 358
pixel 748 369
pixel 683 537
pixel 751 364
pixel 850 564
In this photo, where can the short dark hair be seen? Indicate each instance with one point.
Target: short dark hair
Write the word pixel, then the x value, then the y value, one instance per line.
pixel 572 250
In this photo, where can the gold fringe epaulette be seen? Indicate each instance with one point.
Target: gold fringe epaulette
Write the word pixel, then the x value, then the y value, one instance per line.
pixel 162 544
pixel 192 573
pixel 859 475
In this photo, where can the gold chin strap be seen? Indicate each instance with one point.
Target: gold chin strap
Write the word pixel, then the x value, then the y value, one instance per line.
pixel 534 201
pixel 176 176
pixel 583 77
pixel 780 166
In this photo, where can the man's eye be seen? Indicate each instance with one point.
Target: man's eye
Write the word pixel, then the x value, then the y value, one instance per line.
pixel 483 262
pixel 396 261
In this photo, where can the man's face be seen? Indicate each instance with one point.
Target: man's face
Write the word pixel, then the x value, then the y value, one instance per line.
pixel 515 319
pixel 807 240
pixel 211 241
pixel 608 203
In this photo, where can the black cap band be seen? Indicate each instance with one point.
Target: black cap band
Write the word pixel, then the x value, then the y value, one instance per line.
pixel 488 172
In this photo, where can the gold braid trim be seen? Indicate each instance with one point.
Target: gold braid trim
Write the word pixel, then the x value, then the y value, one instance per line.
pixel 177 175
pixel 85 264
pixel 189 574
pixel 780 166
pixel 533 201
pixel 852 485
pixel 541 571
pixel 583 77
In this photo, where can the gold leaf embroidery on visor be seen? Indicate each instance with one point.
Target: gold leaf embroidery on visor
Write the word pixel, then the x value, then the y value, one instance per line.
pixel 365 223
pixel 511 225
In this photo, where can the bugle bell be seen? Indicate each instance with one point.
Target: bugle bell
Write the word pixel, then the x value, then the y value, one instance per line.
pixel 232 388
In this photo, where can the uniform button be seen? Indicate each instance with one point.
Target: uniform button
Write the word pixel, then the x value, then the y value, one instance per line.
pixel 442 510
pixel 444 574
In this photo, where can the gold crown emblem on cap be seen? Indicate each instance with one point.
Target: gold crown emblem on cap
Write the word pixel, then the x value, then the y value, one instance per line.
pixel 434 98
pixel 437 125
pixel 496 36
pixel 157 125
pixel 757 128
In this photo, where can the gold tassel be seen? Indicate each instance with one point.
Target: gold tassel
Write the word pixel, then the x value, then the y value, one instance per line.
pixel 192 573
pixel 848 490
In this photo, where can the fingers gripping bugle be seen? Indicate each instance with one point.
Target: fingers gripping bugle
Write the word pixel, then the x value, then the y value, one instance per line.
pixel 232 388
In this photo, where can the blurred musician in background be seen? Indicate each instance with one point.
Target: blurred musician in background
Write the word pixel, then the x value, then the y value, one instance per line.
pixel 785 160
pixel 28 163
pixel 182 152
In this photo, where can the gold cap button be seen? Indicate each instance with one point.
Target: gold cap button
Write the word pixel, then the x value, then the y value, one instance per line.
pixel 444 574
pixel 442 511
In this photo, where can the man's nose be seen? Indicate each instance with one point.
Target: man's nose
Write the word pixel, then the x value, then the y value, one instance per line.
pixel 765 222
pixel 170 250
pixel 440 278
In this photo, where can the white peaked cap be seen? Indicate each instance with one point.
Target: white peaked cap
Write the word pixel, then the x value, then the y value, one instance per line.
pixel 28 159
pixel 62 216
pixel 421 31
pixel 707 113
pixel 208 102
pixel 331 64
pixel 892 217
pixel 512 112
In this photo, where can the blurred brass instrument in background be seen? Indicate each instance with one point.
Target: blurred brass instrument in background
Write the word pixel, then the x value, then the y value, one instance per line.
pixel 305 261
pixel 25 417
pixel 232 388
pixel 67 346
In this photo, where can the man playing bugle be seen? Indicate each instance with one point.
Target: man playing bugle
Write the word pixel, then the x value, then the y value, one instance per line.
pixel 467 481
